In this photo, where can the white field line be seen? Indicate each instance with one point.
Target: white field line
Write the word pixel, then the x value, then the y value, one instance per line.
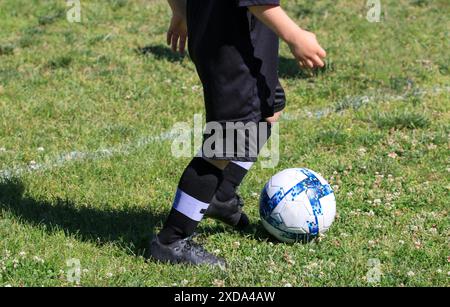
pixel 73 156
pixel 356 102
pixel 129 148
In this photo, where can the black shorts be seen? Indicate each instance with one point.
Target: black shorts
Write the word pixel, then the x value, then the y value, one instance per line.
pixel 236 57
pixel 241 140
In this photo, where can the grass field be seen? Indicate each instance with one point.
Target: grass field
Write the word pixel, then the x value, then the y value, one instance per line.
pixel 87 174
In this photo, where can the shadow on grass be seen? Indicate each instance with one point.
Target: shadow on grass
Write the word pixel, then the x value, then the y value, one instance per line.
pixel 160 52
pixel 254 231
pixel 131 229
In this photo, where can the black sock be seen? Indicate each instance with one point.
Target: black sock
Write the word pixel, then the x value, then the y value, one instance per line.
pixel 233 175
pixel 196 188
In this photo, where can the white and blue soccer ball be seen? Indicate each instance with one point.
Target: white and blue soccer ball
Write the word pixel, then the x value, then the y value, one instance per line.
pixel 297 204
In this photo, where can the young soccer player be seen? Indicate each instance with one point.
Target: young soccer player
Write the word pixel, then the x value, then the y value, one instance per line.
pixel 234 46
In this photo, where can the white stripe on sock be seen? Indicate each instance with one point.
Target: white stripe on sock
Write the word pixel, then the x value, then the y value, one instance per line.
pixel 189 206
pixel 245 165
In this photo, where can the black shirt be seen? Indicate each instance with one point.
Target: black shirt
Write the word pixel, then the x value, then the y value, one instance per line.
pixel 236 57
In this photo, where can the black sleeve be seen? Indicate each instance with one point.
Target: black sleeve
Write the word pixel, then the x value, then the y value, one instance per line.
pixel 242 3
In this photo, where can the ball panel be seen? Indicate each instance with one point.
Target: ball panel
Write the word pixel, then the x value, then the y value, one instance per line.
pixel 284 181
pixel 318 176
pixel 295 216
pixel 265 208
pixel 283 235
pixel 329 210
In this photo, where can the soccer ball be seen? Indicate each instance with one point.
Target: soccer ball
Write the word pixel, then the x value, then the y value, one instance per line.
pixel 297 204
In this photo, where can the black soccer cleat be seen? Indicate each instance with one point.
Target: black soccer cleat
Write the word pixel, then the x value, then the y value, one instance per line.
pixel 184 251
pixel 229 212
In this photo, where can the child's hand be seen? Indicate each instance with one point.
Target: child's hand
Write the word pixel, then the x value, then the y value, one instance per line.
pixel 303 44
pixel 306 49
pixel 177 33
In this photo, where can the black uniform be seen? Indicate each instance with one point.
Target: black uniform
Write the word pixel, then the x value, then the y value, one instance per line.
pixel 236 57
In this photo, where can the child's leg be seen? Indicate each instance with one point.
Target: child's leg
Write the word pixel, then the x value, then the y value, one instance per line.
pixel 226 205
pixel 233 175
pixel 235 172
pixel 196 188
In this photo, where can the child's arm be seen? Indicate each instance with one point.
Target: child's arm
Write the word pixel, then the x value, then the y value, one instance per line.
pixel 177 33
pixel 303 44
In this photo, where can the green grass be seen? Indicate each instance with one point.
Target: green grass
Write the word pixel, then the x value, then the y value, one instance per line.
pixel 109 81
